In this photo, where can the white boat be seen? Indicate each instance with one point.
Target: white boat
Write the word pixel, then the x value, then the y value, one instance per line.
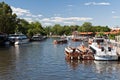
pixel 18 39
pixel 38 37
pixel 102 50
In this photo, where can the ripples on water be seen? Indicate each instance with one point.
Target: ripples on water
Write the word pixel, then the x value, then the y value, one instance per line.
pixel 45 61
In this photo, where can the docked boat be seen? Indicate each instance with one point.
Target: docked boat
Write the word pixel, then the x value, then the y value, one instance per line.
pixel 38 37
pixel 3 39
pixel 75 39
pixel 18 39
pixel 61 41
pixel 102 50
pixel 80 52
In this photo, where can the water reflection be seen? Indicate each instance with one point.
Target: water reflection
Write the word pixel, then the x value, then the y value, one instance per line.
pixel 107 66
pixel 74 64
pixel 45 61
pixel 17 51
pixel 7 61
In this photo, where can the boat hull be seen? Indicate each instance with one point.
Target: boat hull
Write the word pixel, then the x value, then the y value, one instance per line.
pixel 21 41
pixel 75 39
pixel 105 57
pixel 59 41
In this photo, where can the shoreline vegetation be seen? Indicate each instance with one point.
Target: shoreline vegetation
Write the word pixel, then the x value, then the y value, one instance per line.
pixel 10 24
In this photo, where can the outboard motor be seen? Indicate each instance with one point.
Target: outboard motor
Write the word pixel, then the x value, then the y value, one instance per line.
pixel 102 48
pixel 109 48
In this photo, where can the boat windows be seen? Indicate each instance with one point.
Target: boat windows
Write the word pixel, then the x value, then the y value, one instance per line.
pixel 109 48
pixel 93 50
pixel 98 40
pixel 102 48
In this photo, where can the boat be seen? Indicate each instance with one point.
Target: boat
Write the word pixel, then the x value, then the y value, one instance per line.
pixel 80 52
pixel 76 38
pixel 38 37
pixel 60 41
pixel 18 38
pixel 102 50
pixel 3 39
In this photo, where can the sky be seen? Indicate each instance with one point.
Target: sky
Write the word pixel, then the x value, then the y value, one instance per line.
pixel 68 12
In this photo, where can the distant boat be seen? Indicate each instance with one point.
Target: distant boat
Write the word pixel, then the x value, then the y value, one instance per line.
pixel 38 37
pixel 18 39
pixel 61 41
pixel 76 39
pixel 102 50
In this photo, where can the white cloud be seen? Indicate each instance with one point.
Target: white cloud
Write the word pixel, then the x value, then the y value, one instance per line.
pixel 28 19
pixel 57 14
pixel 61 19
pixel 24 12
pixel 39 15
pixel 113 12
pixel 27 15
pixel 69 23
pixel 98 4
pixel 66 21
pixel 20 11
pixel 69 5
pixel 46 20
pixel 116 17
pixel 47 24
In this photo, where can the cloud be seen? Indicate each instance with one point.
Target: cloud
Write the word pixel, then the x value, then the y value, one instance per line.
pixel 28 19
pixel 20 11
pixel 65 21
pixel 97 4
pixel 113 12
pixel 116 17
pixel 27 15
pixel 70 23
pixel 24 12
pixel 70 5
pixel 47 24
pixel 57 14
pixel 61 19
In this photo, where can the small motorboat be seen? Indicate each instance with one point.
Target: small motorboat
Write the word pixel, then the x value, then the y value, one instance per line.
pixel 61 41
pixel 38 37
pixel 75 39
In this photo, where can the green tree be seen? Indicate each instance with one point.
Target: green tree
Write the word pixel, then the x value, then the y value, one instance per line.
pixel 86 27
pixel 8 21
pixel 35 28
pixel 48 30
pixel 22 26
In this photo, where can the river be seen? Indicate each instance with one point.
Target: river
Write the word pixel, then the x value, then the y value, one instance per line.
pixel 46 61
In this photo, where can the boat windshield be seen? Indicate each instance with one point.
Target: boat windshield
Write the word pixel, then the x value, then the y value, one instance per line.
pixel 98 40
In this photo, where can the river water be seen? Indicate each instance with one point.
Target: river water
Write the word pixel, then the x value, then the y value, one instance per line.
pixel 46 61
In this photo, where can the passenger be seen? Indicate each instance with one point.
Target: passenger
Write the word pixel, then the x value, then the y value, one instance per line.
pixel 90 41
pixel 99 45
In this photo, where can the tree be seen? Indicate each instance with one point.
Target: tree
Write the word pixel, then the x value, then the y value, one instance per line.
pixel 86 27
pixel 35 28
pixel 22 26
pixel 7 19
pixel 48 30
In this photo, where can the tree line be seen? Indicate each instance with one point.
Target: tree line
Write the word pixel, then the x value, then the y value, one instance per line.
pixel 10 23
